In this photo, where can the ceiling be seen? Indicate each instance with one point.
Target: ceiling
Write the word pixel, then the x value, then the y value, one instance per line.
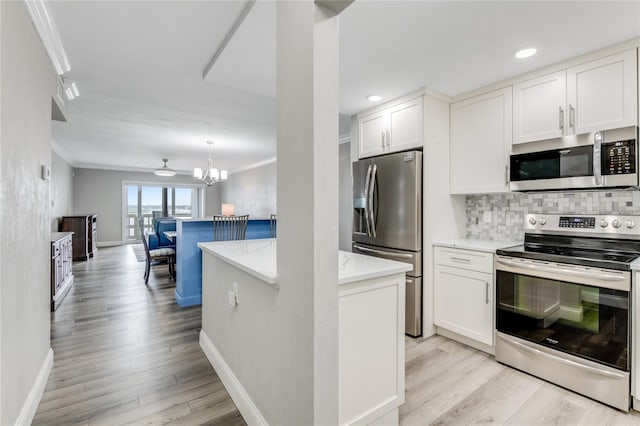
pixel 138 66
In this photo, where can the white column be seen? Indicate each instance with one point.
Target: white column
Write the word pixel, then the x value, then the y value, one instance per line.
pixel 307 194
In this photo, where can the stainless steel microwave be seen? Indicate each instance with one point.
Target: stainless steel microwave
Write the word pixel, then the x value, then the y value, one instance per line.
pixel 606 159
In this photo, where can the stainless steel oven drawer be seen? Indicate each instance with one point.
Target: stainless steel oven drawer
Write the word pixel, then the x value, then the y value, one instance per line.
pixel 591 379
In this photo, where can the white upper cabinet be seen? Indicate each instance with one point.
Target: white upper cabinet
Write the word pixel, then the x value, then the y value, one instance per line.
pixel 406 125
pixel 601 94
pixel 480 143
pixel 396 127
pixel 597 95
pixel 372 130
pixel 538 108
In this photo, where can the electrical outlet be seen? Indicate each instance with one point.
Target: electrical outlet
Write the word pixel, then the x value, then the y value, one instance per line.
pixel 486 217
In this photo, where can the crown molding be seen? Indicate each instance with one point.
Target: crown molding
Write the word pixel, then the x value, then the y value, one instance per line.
pixel 46 27
pixel 62 153
pixel 254 166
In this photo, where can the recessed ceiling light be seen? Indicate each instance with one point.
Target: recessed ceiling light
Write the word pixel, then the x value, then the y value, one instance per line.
pixel 525 53
pixel 374 98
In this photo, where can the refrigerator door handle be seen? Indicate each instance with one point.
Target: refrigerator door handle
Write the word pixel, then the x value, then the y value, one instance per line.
pixel 374 173
pixel 383 253
pixel 366 200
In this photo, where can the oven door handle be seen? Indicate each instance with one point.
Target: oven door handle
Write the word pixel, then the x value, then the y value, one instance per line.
pixel 558 269
pixel 573 364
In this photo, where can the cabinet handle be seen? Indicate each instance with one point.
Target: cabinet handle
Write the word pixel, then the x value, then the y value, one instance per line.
pixel 506 174
pixel 486 292
pixel 384 134
pixel 561 118
pixel 388 133
pixel 460 259
pixel 572 116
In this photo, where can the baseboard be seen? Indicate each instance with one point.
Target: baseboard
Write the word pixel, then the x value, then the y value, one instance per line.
pixel 240 397
pixel 491 350
pixel 35 394
pixel 109 243
pixel 183 301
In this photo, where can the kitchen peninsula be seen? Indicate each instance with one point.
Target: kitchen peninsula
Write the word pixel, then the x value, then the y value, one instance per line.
pixel 189 232
pixel 241 314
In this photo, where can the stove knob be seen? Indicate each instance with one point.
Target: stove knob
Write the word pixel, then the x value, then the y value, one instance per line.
pixel 532 220
pixel 603 223
pixel 616 223
pixel 542 221
pixel 630 224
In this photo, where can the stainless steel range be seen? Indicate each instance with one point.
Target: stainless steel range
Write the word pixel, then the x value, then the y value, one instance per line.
pixel 563 303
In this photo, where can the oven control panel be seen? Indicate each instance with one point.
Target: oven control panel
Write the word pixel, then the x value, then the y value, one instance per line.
pixel 577 222
pixel 598 224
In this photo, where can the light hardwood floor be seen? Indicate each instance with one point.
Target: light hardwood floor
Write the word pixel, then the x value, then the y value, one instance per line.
pixel 126 354
pixel 453 384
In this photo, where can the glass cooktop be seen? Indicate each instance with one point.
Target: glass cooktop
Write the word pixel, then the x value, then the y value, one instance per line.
pixel 593 252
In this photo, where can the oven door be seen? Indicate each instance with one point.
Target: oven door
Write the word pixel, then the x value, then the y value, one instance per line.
pixel 577 310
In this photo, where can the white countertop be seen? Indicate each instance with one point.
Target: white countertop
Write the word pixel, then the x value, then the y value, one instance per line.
pixel 635 265
pixel 258 258
pixel 477 245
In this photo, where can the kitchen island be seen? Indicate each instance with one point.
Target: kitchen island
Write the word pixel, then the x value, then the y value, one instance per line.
pixel 240 323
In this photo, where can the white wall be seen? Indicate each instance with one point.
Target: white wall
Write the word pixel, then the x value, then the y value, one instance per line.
pixel 100 192
pixel 252 191
pixel 444 214
pixel 61 190
pixel 27 83
pixel 345 197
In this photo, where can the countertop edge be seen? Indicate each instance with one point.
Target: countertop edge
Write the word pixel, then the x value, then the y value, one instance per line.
pixel 489 246
pixel 210 219
pixel 57 236
pixel 372 275
pixel 388 268
pixel 273 280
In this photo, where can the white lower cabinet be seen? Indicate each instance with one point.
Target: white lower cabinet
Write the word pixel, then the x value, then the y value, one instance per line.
pixel 464 293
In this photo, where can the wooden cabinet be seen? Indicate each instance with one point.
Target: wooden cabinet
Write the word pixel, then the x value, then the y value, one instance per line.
pixel 392 128
pixel 480 143
pixel 464 293
pixel 84 237
pixel 61 266
pixel 597 95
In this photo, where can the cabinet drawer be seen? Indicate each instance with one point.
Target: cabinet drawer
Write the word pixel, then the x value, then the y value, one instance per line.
pixel 465 259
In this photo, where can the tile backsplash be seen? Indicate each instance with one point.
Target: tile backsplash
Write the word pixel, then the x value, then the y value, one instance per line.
pixel 501 216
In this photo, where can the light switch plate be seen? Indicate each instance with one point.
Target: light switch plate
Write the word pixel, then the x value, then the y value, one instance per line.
pixel 232 298
pixel 45 172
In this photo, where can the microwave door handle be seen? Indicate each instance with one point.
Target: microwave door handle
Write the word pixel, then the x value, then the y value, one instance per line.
pixel 372 187
pixel 597 164
pixel 366 200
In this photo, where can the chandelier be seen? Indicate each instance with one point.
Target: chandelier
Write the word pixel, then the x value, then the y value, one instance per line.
pixel 211 174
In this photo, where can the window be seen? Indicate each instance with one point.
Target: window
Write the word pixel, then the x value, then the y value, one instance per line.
pixel 148 201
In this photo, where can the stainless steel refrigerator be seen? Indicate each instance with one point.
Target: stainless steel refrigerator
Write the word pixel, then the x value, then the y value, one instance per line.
pixel 387 219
